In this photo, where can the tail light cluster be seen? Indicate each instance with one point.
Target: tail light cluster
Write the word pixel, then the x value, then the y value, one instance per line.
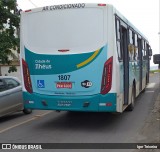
pixel 26 76
pixel 101 4
pixel 107 76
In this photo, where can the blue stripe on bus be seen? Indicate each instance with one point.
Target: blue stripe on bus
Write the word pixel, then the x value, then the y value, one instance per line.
pixel 58 64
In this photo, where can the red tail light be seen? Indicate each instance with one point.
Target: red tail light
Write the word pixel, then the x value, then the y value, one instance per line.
pixel 26 76
pixel 101 4
pixel 28 10
pixel 107 76
pixel 63 50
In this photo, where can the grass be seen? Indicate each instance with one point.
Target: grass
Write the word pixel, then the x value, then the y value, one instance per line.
pixel 155 71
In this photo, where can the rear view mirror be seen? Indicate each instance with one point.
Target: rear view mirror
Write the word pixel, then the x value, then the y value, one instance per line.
pixel 156 58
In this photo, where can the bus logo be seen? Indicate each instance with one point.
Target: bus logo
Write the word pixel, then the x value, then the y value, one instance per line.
pixel 6 146
pixel 86 84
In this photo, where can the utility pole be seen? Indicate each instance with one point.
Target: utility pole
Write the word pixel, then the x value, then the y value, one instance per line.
pixel 32 3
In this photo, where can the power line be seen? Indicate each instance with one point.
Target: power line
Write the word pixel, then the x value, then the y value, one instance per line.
pixel 33 3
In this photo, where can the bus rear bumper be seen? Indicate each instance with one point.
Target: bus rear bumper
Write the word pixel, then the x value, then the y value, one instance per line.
pixel 92 103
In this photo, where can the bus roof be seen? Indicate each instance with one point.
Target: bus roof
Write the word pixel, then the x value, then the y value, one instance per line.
pixel 64 7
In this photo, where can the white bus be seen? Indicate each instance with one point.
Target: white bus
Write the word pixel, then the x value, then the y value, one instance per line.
pixel 82 57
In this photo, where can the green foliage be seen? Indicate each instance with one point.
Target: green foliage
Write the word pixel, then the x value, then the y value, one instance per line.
pixel 155 71
pixel 9 22
pixel 12 69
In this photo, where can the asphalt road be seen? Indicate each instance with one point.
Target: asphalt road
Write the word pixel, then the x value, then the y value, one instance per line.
pixel 65 127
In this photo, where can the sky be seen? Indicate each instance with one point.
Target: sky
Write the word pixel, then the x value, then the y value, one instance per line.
pixel 144 14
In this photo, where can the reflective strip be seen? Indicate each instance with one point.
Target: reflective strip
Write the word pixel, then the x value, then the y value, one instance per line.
pixel 149 91
pixel 102 104
pixel 31 102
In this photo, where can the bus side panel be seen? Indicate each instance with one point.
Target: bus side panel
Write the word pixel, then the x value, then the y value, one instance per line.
pixel 108 102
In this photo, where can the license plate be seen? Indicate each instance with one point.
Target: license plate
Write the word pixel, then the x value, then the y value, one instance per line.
pixel 67 85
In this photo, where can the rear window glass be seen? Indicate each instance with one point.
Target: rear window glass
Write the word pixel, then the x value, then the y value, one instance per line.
pixel 72 28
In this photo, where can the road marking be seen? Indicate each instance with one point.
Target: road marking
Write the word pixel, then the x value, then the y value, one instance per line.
pixel 21 123
pixel 16 125
pixel 151 85
pixel 149 91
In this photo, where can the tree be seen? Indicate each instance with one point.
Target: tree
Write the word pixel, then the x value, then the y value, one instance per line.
pixel 9 23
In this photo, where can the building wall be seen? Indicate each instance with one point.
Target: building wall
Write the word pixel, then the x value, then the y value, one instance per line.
pixel 4 70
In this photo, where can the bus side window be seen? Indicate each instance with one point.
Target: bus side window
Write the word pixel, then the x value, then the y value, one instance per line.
pixel 118 29
pixel 139 46
pixel 145 51
pixel 135 48
pixel 142 47
pixel 131 45
pixel 118 39
pixel 145 48
pixel 130 37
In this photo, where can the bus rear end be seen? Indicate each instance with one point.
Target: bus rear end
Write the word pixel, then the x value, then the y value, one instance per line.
pixel 64 58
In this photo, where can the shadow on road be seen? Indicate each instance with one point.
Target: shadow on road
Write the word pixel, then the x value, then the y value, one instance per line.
pixel 83 121
pixel 11 117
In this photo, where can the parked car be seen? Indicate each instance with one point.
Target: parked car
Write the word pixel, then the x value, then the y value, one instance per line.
pixel 11 99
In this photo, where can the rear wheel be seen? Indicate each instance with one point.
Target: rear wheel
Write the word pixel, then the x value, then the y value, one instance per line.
pixel 27 111
pixel 131 106
pixel 145 86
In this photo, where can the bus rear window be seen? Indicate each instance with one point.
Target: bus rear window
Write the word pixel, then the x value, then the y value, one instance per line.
pixel 67 29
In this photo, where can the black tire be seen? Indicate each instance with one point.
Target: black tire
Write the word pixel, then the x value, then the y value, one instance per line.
pixel 143 90
pixel 27 111
pixel 145 86
pixel 131 106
